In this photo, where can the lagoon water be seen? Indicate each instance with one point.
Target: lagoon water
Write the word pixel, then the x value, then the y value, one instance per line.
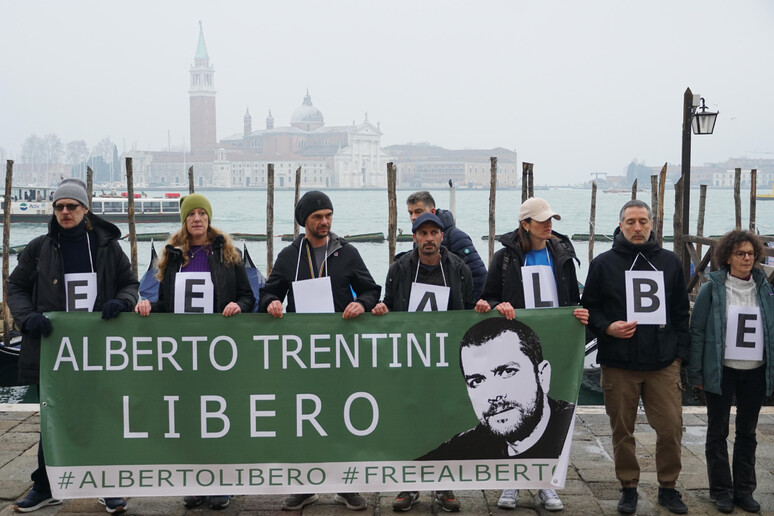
pixel 365 211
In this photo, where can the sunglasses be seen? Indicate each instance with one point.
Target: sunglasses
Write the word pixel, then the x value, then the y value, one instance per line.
pixel 70 207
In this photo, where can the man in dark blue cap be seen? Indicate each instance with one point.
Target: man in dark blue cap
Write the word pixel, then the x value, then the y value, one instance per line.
pixel 429 278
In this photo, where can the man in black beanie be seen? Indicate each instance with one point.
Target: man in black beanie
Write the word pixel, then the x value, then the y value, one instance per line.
pixel 319 257
pixel 76 266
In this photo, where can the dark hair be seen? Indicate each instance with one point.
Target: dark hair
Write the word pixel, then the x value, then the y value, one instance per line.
pixel 423 196
pixel 489 329
pixel 522 237
pixel 634 203
pixel 731 241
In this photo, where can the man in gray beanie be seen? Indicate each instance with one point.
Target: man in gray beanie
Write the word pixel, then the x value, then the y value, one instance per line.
pixel 77 265
pixel 72 188
pixel 323 257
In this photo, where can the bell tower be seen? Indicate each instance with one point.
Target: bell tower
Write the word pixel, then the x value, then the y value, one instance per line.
pixel 202 98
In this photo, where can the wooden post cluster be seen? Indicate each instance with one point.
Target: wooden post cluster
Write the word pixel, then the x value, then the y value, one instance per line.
pixel 392 211
pixel 492 198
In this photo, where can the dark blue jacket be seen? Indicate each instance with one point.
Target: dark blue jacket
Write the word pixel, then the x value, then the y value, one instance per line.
pixel 458 242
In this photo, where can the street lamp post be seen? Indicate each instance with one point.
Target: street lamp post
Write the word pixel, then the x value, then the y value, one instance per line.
pixel 701 122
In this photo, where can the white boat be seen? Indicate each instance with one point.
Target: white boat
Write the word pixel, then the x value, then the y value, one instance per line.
pixel 33 204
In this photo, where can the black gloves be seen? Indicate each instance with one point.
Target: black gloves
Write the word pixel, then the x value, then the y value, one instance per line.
pixel 37 325
pixel 112 308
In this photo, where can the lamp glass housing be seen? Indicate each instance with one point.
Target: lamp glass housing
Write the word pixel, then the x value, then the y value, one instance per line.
pixel 703 122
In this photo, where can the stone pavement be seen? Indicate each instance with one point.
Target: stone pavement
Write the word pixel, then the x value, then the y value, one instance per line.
pixel 591 485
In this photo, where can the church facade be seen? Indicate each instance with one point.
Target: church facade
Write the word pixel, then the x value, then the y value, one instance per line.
pixel 343 156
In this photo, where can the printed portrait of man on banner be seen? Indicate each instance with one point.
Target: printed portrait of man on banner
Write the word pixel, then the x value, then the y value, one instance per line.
pixel 507 380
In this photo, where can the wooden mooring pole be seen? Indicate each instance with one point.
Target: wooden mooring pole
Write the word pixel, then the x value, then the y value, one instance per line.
pixel 492 197
pixel 634 190
pixel 392 211
pixel 270 218
pixel 700 221
pixel 295 203
pixel 531 178
pixel 661 192
pixel 653 205
pixel 753 194
pixel 677 228
pixel 738 197
pixel 190 180
pixel 89 186
pixel 592 219
pixel 130 205
pixel 524 181
pixel 7 319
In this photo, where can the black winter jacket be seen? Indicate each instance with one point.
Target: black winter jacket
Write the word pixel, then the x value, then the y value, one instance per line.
pixel 652 347
pixel 37 285
pixel 458 242
pixel 229 281
pixel 511 290
pixel 397 288
pixel 345 268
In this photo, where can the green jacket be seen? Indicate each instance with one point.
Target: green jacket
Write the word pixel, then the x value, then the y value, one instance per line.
pixel 708 331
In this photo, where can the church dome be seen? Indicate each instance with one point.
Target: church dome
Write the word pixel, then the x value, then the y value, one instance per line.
pixel 306 116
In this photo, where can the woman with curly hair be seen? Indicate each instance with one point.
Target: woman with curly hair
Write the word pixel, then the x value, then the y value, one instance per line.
pixel 732 327
pixel 206 255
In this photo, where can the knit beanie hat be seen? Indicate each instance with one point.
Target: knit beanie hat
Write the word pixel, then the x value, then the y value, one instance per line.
pixel 72 188
pixel 193 201
pixel 309 203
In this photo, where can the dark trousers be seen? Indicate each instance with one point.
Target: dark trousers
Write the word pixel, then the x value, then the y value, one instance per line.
pixel 749 386
pixel 39 476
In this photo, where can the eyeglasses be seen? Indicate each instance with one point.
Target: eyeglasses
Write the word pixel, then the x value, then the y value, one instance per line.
pixel 743 254
pixel 70 207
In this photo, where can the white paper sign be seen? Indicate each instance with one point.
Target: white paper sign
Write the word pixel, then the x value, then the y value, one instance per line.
pixel 194 293
pixel 744 333
pixel 428 298
pixel 539 286
pixel 80 291
pixel 313 296
pixel 645 297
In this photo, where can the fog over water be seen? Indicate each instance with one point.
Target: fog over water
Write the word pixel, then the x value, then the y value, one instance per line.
pixel 574 87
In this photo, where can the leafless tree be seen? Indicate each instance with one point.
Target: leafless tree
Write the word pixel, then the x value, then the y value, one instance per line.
pixel 53 148
pixel 33 150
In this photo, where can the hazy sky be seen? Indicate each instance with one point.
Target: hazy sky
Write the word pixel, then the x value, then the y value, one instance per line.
pixel 575 87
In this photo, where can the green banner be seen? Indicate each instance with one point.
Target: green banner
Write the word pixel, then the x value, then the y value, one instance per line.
pixel 183 404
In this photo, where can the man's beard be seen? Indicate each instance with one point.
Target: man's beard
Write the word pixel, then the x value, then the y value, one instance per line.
pixel 521 429
pixel 316 232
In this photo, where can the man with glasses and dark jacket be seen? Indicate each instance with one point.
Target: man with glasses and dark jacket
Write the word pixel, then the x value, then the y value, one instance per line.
pixel 77 265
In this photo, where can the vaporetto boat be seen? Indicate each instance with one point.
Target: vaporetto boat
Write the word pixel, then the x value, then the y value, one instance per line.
pixel 33 204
